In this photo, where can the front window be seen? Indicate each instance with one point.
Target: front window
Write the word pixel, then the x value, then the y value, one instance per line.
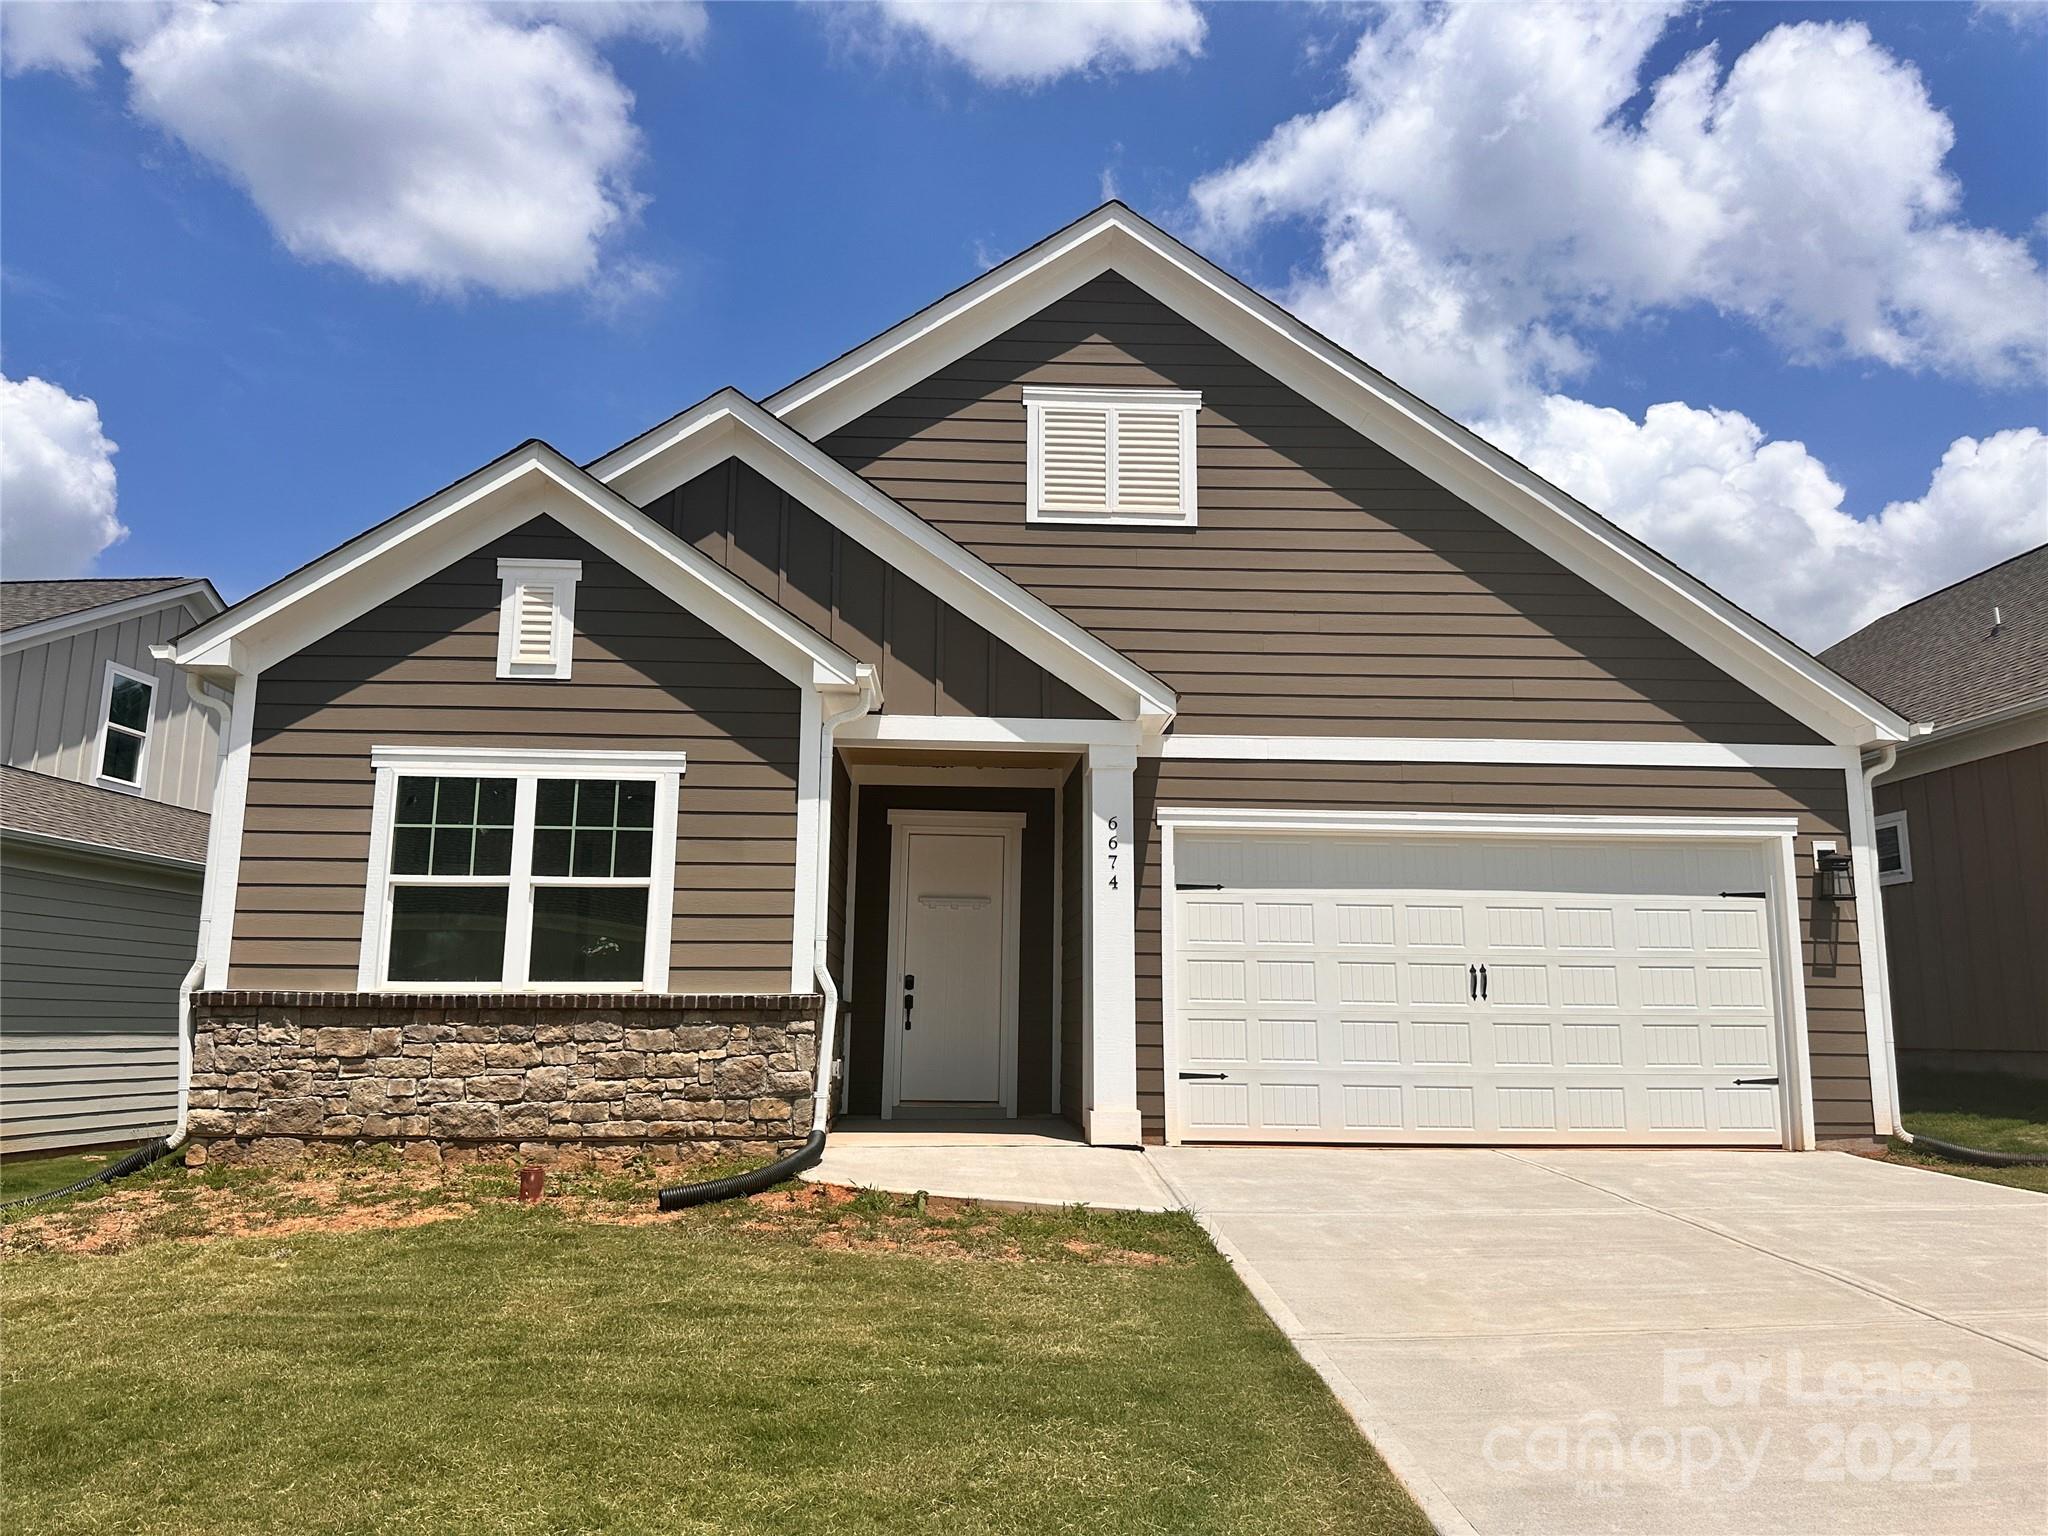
pixel 526 877
pixel 126 702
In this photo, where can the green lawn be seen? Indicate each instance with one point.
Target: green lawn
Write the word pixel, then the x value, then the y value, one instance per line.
pixel 1991 1112
pixel 776 1366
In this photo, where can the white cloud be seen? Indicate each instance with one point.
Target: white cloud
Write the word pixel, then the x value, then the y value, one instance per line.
pixel 456 146
pixel 1033 42
pixel 56 482
pixel 67 36
pixel 1763 522
pixel 1483 205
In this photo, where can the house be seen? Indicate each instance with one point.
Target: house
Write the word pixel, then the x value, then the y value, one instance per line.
pixel 108 773
pixel 1098 695
pixel 1962 818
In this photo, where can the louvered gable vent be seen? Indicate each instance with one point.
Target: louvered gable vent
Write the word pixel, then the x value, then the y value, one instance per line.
pixel 1124 456
pixel 537 617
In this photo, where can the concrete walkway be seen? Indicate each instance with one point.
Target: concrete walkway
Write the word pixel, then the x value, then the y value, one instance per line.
pixel 1642 1342
pixel 1022 1163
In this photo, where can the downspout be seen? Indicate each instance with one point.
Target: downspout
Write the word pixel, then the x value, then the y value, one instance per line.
pixel 682 1196
pixel 1887 754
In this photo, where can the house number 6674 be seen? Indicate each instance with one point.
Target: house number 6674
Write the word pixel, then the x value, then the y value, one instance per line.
pixel 1114 825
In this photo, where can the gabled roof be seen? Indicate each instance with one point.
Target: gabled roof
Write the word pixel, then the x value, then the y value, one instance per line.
pixel 1113 237
pixel 729 425
pixel 43 809
pixel 533 480
pixel 32 612
pixel 1976 648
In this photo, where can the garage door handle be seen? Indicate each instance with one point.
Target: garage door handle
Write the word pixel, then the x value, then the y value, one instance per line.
pixel 1471 983
pixel 1192 885
pixel 1756 1082
pixel 1743 895
pixel 1482 983
pixel 1205 1077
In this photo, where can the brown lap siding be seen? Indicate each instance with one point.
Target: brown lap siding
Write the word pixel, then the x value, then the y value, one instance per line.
pixel 1819 798
pixel 420 670
pixel 1329 589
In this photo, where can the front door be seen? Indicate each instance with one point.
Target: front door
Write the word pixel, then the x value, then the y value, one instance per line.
pixel 954 958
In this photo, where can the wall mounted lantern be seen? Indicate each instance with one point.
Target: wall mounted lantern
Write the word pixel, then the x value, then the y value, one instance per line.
pixel 1832 880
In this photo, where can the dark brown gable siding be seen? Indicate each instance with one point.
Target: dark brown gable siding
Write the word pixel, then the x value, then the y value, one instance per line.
pixel 1965 934
pixel 933 660
pixel 1329 590
pixel 421 670
pixel 1834 982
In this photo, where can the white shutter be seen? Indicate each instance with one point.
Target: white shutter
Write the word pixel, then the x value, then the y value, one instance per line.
pixel 1148 462
pixel 1074 459
pixel 533 641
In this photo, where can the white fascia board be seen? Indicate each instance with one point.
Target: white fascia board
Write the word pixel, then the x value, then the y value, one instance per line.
pixel 532 481
pixel 1968 741
pixel 1473 749
pixel 943 731
pixel 1367 401
pixel 197 595
pixel 1474 824
pixel 729 425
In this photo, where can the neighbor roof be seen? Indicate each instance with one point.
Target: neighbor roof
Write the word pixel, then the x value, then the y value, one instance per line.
pixel 64 811
pixel 1943 659
pixel 31 602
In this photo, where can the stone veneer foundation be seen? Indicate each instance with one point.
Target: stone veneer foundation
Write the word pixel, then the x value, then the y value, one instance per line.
pixel 272 1070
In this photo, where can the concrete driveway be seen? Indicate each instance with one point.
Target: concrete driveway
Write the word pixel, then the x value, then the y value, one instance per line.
pixel 1653 1342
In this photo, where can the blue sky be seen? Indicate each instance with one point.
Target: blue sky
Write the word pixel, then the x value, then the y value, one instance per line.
pixel 786 180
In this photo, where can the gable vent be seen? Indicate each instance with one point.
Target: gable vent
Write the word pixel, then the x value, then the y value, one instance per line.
pixel 1114 456
pixel 535 621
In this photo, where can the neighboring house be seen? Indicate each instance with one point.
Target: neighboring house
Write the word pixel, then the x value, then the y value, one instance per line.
pixel 109 771
pixel 1137 708
pixel 1962 819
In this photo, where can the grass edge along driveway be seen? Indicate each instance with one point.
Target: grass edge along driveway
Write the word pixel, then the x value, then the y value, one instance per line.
pixel 781 1366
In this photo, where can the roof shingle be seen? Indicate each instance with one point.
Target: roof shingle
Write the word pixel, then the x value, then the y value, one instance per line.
pixel 31 602
pixel 84 813
pixel 1942 660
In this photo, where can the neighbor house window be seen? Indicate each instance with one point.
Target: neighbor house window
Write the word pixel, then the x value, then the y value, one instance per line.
pixel 541 872
pixel 537 617
pixel 1894 849
pixel 1111 455
pixel 126 701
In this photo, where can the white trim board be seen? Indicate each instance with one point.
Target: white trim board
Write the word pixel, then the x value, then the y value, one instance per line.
pixel 1474 824
pixel 197 595
pixel 1020 735
pixel 729 425
pixel 1470 749
pixel 1114 237
pixel 532 481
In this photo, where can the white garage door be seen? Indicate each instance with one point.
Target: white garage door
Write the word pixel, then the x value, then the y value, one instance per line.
pixel 1331 988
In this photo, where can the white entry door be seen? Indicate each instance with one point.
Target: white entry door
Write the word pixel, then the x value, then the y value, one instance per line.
pixel 953 922
pixel 1430 990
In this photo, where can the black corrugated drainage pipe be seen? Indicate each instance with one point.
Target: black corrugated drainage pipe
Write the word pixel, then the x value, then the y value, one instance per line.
pixel 149 1152
pixel 1957 1153
pixel 788 1166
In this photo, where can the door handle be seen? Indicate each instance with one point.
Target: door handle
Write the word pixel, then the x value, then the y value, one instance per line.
pixel 1756 1082
pixel 1205 1077
pixel 909 1002
pixel 1482 983
pixel 1471 983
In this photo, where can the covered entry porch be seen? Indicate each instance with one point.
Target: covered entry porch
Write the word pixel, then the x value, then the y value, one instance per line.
pixel 979 925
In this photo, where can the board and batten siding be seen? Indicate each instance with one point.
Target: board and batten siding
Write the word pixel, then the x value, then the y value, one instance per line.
pixel 1329 589
pixel 1967 936
pixel 931 658
pixel 1819 799
pixel 50 695
pixel 90 960
pixel 420 670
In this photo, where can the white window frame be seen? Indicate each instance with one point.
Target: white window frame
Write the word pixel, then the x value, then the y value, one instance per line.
pixel 525 769
pixel 559 575
pixel 1903 875
pixel 1186 402
pixel 100 776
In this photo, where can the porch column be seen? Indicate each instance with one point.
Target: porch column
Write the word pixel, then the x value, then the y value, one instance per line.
pixel 1109 1013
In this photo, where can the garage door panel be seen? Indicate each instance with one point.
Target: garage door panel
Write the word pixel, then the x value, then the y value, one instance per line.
pixel 1622 993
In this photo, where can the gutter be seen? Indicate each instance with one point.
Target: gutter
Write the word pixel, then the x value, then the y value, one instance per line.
pixel 1876 768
